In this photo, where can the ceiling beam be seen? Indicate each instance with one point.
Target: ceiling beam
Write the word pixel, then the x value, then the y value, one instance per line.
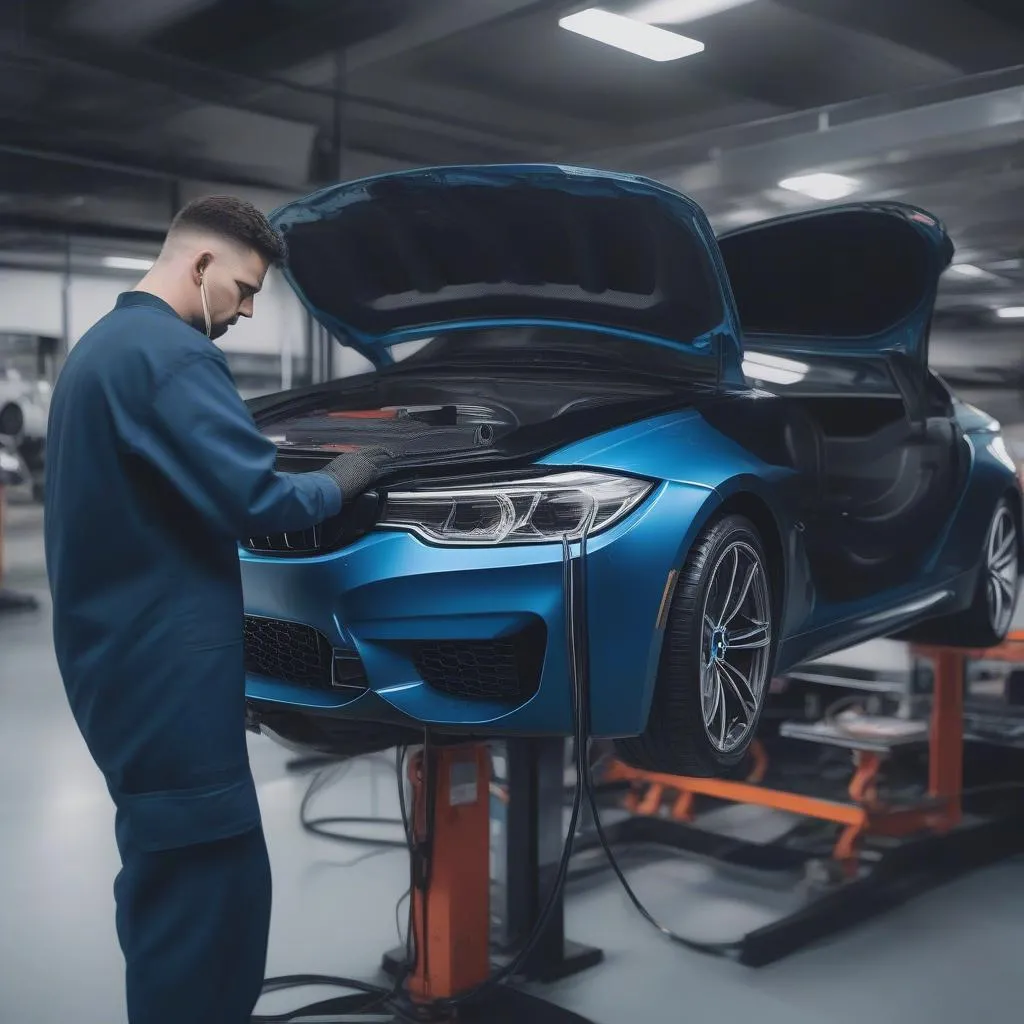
pixel 273 97
pixel 742 158
pixel 132 167
pixel 437 21
pixel 35 224
pixel 117 19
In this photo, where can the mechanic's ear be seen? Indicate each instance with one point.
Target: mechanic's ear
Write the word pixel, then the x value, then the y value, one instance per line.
pixel 203 260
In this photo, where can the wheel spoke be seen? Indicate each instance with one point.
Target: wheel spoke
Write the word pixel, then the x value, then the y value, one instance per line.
pixel 708 692
pixel 740 685
pixel 757 636
pixel 1004 563
pixel 994 538
pixel 722 620
pixel 1005 586
pixel 997 602
pixel 1003 546
pixel 737 603
pixel 721 707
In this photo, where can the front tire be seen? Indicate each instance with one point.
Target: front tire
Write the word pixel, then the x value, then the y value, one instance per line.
pixel 716 661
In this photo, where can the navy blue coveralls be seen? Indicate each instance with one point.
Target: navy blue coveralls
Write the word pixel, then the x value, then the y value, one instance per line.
pixel 154 468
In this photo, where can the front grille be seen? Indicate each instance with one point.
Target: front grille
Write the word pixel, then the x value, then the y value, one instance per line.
pixel 294 542
pixel 503 669
pixel 356 519
pixel 299 654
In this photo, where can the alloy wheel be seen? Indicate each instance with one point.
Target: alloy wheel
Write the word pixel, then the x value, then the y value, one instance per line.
pixel 1001 570
pixel 736 641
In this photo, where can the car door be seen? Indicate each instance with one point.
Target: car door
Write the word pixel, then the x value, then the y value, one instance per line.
pixel 836 304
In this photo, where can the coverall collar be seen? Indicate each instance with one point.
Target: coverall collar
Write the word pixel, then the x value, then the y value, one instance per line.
pixel 128 299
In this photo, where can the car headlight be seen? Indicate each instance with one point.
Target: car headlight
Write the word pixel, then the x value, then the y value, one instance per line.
pixel 530 511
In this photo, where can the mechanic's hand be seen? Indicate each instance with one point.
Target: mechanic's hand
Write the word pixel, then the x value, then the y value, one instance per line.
pixel 355 472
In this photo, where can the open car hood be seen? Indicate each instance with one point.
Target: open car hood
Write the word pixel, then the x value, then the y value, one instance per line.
pixel 390 258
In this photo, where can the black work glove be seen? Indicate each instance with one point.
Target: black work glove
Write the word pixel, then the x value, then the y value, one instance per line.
pixel 354 472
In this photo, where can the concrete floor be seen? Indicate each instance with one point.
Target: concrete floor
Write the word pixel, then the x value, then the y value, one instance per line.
pixel 950 956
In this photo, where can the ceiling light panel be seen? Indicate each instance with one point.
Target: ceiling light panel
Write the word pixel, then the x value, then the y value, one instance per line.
pixel 678 12
pixel 127 263
pixel 633 36
pixel 821 185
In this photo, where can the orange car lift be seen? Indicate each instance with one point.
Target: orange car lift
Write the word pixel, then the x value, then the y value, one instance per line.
pixel 939 842
pixel 451 886
pixel 864 814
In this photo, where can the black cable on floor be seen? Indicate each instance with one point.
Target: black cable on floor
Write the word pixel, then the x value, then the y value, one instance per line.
pixel 367 997
pixel 582 684
pixel 322 827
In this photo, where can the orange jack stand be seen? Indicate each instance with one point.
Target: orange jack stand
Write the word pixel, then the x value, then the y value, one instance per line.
pixel 864 814
pixel 451 916
pixel 451 881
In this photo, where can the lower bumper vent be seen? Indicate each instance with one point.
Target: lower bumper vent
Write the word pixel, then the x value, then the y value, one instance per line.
pixel 503 669
pixel 298 654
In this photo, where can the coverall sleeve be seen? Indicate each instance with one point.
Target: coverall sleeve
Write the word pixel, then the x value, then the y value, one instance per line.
pixel 199 434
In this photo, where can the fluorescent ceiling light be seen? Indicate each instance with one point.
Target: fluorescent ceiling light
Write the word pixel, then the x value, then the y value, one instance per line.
pixel 127 263
pixel 821 185
pixel 968 270
pixel 627 34
pixel 1010 313
pixel 677 12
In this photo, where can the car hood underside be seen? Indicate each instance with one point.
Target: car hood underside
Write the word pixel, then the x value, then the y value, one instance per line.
pixel 382 258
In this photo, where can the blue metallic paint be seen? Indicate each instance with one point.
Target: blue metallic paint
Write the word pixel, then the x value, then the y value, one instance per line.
pixel 391 587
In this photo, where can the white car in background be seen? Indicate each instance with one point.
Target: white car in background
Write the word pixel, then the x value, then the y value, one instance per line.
pixel 24 410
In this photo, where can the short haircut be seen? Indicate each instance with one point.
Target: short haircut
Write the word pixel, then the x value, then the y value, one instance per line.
pixel 236 220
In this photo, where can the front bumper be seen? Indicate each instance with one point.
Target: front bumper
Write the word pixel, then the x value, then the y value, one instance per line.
pixel 389 591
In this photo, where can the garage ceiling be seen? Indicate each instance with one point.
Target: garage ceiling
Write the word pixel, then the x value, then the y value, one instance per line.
pixel 113 113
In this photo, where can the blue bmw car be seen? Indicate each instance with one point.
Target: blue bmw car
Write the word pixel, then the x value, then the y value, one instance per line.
pixel 737 442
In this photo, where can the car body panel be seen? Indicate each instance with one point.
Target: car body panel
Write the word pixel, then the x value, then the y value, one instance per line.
pixel 410 213
pixel 705 450
pixel 391 588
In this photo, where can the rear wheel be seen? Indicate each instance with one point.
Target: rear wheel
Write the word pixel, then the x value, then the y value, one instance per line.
pixel 987 620
pixel 716 661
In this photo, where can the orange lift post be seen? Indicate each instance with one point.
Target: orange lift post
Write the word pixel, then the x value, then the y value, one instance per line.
pixel 450 974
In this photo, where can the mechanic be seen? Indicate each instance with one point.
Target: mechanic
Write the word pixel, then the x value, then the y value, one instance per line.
pixel 155 468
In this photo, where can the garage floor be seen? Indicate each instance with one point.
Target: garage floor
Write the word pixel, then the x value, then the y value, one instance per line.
pixel 953 955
